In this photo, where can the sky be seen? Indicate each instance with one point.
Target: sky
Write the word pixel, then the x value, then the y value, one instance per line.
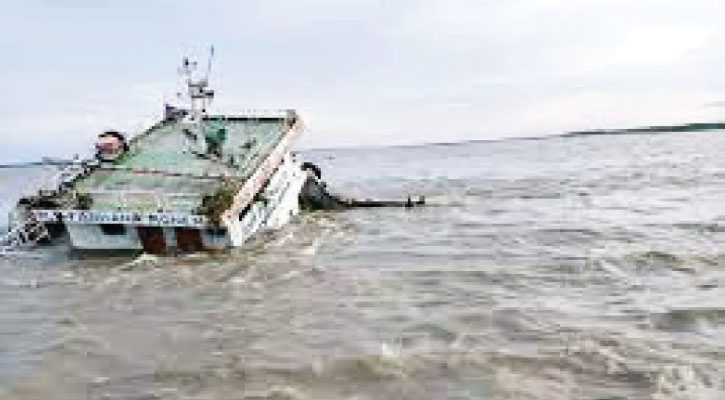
pixel 361 73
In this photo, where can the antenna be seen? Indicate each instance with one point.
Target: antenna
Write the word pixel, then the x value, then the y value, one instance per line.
pixel 208 65
pixel 200 97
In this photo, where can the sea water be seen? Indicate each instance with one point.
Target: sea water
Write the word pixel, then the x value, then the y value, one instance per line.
pixel 587 267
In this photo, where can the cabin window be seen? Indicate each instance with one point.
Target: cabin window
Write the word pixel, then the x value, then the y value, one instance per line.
pixel 113 229
pixel 216 232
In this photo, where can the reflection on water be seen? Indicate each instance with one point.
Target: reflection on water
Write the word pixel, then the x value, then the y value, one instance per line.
pixel 580 268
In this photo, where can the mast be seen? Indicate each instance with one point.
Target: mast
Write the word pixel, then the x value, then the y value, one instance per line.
pixel 200 98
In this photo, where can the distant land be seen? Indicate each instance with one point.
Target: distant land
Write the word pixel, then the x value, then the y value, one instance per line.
pixel 655 129
pixel 43 162
pixel 646 130
pixel 693 127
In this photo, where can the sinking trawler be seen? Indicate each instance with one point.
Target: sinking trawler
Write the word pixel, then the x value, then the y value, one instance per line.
pixel 193 181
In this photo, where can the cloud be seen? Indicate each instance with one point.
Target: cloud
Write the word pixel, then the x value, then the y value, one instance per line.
pixel 365 72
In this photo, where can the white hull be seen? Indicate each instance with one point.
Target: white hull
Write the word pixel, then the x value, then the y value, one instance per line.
pixel 276 205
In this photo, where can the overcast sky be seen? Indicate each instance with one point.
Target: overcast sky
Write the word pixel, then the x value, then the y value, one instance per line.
pixel 361 72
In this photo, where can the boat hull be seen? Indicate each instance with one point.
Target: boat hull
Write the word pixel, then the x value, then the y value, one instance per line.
pixel 272 208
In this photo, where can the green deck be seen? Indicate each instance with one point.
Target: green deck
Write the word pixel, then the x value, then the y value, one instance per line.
pixel 159 173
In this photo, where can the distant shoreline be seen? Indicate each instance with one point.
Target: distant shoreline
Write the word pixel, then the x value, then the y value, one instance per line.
pixel 646 130
pixel 31 164
pixel 692 127
pixel 655 129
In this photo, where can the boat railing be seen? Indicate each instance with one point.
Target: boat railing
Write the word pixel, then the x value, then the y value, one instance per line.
pixel 252 113
pixel 24 231
pixel 131 199
pixel 56 179
pixel 164 173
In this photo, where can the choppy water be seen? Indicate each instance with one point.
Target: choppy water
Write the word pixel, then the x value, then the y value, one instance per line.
pixel 578 268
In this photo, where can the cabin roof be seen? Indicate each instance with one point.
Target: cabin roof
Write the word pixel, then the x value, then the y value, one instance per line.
pixel 160 173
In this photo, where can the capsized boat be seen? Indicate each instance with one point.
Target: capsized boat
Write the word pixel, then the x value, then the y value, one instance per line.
pixel 193 181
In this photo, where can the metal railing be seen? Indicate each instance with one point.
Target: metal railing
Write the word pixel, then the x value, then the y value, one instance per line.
pixel 131 199
pixel 24 233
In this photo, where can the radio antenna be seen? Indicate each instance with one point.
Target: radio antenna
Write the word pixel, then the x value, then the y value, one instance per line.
pixel 200 97
pixel 208 65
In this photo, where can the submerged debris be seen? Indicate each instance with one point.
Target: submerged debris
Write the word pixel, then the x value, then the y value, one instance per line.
pixel 144 260
pixel 315 196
